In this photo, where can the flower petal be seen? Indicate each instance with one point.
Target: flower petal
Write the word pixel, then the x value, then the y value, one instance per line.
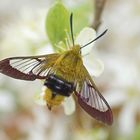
pixel 94 65
pixel 84 37
pixel 113 99
pixel 69 105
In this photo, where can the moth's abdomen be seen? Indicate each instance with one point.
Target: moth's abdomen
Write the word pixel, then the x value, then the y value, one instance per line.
pixel 58 85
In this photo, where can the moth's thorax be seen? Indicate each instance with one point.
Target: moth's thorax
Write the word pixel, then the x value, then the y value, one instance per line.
pixel 70 64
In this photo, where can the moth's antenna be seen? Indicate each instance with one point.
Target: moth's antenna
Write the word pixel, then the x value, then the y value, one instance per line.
pixel 71 28
pixel 94 39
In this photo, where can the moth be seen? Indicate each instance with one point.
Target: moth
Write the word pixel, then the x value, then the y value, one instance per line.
pixel 64 74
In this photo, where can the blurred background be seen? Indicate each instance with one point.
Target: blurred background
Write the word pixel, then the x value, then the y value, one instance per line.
pixel 22 32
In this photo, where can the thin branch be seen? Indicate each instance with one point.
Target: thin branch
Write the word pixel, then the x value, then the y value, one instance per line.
pixel 99 6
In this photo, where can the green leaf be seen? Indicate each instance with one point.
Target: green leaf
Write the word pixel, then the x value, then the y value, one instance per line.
pixel 57 22
pixel 136 134
pixel 82 14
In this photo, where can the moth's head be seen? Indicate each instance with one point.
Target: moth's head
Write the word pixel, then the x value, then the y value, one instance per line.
pixel 76 49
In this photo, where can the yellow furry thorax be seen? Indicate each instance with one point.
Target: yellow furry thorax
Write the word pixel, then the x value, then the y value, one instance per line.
pixel 69 64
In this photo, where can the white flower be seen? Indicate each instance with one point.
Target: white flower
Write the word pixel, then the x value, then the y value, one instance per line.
pixel 24 36
pixel 93 65
pixel 7 103
pixel 84 37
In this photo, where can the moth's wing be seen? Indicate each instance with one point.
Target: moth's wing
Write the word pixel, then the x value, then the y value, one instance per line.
pixel 91 100
pixel 28 68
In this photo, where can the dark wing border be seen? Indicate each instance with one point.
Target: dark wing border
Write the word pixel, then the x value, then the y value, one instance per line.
pixel 91 100
pixel 28 68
